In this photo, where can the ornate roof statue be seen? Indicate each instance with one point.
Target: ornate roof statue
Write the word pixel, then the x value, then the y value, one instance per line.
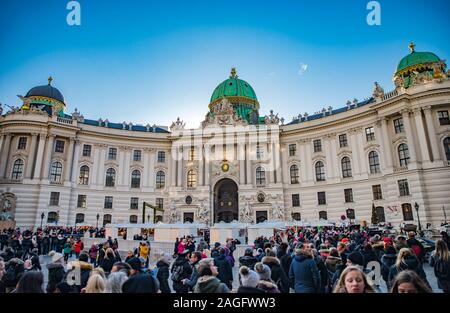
pixel 177 125
pixel 271 118
pixel 378 91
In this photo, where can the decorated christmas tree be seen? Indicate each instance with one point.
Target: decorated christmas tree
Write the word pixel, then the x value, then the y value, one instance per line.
pixel 374 215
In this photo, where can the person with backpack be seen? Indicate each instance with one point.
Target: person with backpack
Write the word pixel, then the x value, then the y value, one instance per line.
pixel 195 258
pixel 277 273
pixel 440 261
pixel 406 260
pixel 161 272
pixel 181 269
pixel 14 271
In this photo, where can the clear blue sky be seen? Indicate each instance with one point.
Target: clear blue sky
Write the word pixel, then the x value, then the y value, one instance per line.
pixel 151 61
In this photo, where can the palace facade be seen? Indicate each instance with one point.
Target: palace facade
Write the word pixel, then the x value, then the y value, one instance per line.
pixel 380 156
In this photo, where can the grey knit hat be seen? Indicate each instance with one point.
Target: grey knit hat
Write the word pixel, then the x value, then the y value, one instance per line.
pixel 263 270
pixel 249 278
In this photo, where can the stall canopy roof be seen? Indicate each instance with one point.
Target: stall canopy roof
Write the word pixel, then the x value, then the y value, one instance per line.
pixel 233 224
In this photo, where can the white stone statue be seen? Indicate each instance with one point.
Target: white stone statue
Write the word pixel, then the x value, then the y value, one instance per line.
pixel 173 217
pixel 246 213
pixel 203 213
pixel 277 212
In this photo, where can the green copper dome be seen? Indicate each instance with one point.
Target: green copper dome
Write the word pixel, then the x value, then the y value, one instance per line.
pixel 234 89
pixel 416 58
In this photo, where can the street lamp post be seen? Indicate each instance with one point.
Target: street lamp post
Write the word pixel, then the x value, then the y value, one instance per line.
pixel 98 216
pixel 416 206
pixel 42 218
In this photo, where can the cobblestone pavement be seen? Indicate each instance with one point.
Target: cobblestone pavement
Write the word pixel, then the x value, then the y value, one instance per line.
pixel 427 268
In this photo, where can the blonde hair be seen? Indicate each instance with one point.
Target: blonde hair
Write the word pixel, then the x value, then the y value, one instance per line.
pixel 403 253
pixel 98 271
pixel 95 284
pixel 340 286
pixel 442 250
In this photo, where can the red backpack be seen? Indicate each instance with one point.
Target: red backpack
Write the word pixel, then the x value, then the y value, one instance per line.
pixel 416 249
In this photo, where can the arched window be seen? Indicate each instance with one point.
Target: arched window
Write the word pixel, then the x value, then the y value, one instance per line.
pixel 79 218
pixel 17 169
pixel 55 172
pixel 346 167
pixel 260 176
pixel 294 174
pixel 191 179
pixel 447 148
pixel 136 179
pixel 110 177
pixel 403 154
pixel 320 171
pixel 133 219
pixel 323 215
pixel 407 212
pixel 374 162
pixel 84 175
pixel 160 180
pixel 52 217
pixel 107 218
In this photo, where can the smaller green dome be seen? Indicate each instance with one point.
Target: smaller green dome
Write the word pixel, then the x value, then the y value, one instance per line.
pixel 234 87
pixel 416 58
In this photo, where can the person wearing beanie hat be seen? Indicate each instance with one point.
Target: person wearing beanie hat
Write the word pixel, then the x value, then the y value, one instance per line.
pixel 265 282
pixel 355 258
pixel 304 272
pixel 248 259
pixel 56 271
pixel 139 282
pixel 277 273
pixel 249 281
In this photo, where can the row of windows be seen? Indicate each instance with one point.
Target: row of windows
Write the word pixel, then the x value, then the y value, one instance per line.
pixel 112 154
pixel 374 167
pixel 107 218
pixel 379 211
pixel 377 193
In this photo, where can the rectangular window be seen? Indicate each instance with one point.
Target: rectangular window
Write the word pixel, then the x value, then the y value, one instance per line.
pixel 259 153
pixel 443 118
pixel 295 200
pixel 22 143
pixel 398 126
pixel 137 155
pixel 317 145
pixel 59 147
pixel 81 203
pixel 292 149
pixel 377 193
pixel 160 203
pixel 348 193
pixel 54 198
pixel 343 140
pixel 112 153
pixel 192 154
pixel 370 134
pixel 108 202
pixel 87 150
pixel 161 156
pixel 134 203
pixel 403 187
pixel 321 198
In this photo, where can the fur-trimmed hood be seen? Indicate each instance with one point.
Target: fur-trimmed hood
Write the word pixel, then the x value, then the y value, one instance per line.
pixel 270 261
pixel 80 264
pixel 268 286
pixel 208 284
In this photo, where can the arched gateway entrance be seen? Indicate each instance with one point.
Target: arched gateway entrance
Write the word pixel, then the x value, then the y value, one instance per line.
pixel 226 201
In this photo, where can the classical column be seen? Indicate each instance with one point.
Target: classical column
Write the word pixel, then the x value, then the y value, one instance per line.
pixel 432 133
pixel 70 152
pixel 328 158
pixel 101 165
pixel 173 166
pixel 334 156
pixel 308 161
pixel 423 142
pixel 180 167
pixel 276 161
pixel 386 143
pixel 303 161
pixel 39 157
pixel 379 138
pixel 271 167
pixel 207 157
pixel 151 168
pixel 355 152
pixel 146 171
pixel 362 159
pixel 5 155
pixel 30 163
pixel 76 157
pixel 1 142
pixel 126 170
pixel 409 136
pixel 48 156
pixel 248 163
pixel 95 167
pixel 201 165
pixel 120 175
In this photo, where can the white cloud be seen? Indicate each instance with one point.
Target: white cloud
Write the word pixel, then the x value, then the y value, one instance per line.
pixel 303 68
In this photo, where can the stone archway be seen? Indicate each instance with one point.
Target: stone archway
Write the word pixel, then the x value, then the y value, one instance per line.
pixel 226 204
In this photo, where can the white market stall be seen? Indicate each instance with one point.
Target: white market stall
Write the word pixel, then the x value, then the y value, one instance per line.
pixel 169 232
pixel 321 223
pixel 265 229
pixel 130 230
pixel 220 232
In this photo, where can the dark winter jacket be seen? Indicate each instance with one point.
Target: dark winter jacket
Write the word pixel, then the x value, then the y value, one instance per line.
pixel 285 262
pixel 210 284
pixel 141 283
pixel 408 263
pixel 163 276
pixel 107 264
pixel 370 255
pixel 387 260
pixel 267 286
pixel 14 270
pixel 185 271
pixel 248 261
pixel 277 273
pixel 224 269
pixel 56 274
pixel 331 262
pixel 85 269
pixel 243 289
pixel 303 274
pixel 442 272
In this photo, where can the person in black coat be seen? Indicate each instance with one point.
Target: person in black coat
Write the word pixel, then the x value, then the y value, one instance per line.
pixel 249 281
pixel 248 259
pixel 163 274
pixel 387 260
pixel 181 269
pixel 224 268
pixel 277 273
pixel 369 255
pixel 139 282
pixel 56 271
pixel 109 260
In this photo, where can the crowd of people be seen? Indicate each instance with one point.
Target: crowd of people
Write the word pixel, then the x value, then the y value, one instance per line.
pixel 303 260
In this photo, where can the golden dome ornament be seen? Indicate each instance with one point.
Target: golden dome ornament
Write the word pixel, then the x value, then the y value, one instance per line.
pixel 225 167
